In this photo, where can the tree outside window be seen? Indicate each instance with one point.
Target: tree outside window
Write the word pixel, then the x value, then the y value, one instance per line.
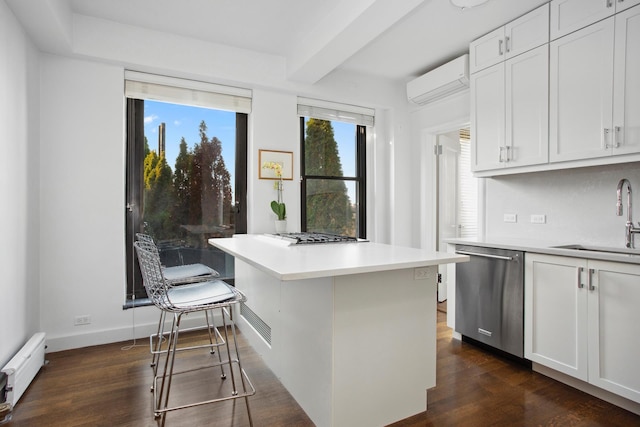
pixel 333 182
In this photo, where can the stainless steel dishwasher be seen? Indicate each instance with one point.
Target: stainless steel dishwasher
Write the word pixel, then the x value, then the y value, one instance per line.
pixel 490 297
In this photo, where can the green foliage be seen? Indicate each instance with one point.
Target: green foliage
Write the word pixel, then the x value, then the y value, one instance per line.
pixel 329 208
pixel 279 209
pixel 197 193
pixel 159 197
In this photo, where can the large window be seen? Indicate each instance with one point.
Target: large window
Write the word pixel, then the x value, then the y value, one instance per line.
pixel 333 170
pixel 186 177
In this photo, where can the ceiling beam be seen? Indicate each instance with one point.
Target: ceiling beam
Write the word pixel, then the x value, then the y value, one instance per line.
pixel 342 33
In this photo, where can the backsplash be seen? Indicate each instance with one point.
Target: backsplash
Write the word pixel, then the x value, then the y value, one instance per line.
pixel 579 205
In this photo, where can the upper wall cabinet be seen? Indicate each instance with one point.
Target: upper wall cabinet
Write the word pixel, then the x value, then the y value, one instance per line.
pixel 581 79
pixel 571 15
pixel 587 68
pixel 523 34
pixel 626 83
pixel 510 112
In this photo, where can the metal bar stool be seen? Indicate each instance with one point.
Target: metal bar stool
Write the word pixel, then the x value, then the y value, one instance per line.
pixel 179 275
pixel 201 296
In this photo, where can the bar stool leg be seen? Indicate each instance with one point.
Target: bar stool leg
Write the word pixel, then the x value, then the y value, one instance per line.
pixel 237 353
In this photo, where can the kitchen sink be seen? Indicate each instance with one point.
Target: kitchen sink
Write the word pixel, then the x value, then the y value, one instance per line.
pixel 589 248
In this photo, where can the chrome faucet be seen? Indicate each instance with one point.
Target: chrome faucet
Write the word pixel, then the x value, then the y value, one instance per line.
pixel 630 229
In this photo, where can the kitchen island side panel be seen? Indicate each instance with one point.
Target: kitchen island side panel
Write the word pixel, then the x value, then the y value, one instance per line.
pixel 353 350
pixel 384 346
pixel 300 315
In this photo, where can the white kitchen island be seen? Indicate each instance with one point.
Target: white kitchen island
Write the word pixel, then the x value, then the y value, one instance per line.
pixel 348 328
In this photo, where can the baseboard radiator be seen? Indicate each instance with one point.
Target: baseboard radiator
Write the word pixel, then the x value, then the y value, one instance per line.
pixel 23 367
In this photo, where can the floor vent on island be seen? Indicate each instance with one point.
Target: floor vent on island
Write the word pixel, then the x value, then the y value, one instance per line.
pixel 23 367
pixel 256 322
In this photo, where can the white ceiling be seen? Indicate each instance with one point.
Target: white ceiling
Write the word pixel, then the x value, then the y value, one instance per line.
pixel 396 39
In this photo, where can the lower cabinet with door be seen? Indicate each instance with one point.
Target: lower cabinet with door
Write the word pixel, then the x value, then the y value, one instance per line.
pixel 581 319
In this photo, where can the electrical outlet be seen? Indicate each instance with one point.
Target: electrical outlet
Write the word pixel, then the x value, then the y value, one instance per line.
pixel 538 219
pixel 82 320
pixel 510 218
pixel 420 273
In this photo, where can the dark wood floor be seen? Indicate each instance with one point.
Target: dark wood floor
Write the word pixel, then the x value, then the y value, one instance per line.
pixel 109 386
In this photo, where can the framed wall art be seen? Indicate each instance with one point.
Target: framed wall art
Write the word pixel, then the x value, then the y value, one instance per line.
pixel 267 158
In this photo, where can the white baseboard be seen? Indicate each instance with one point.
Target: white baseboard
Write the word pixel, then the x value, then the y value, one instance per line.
pixel 140 333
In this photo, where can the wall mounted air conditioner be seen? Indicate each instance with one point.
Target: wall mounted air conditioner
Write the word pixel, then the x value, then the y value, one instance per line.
pixel 443 81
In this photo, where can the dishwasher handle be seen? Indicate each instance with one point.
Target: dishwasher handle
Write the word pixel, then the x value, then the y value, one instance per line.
pixel 506 258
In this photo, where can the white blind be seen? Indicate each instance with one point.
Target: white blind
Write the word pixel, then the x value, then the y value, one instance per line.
pixel 186 92
pixel 327 110
pixel 468 190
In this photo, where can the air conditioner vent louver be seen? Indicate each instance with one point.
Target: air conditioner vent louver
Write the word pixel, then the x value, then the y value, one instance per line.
pixel 441 82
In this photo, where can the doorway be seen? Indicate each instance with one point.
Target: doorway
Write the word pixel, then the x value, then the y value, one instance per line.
pixel 456 196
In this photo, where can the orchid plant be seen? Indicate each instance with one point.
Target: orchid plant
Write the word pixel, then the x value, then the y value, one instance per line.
pixel 277 206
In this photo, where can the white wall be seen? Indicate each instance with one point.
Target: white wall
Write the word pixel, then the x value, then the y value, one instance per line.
pixel 19 140
pixel 83 163
pixel 274 126
pixel 580 205
pixel 426 123
pixel 69 194
pixel 82 178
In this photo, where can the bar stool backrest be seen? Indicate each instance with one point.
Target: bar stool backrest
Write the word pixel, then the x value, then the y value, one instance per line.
pixel 152 276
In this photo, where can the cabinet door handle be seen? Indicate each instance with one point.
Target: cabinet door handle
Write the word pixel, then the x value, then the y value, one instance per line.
pixel 500 154
pixel 605 138
pixel 609 3
pixel 506 44
pixel 618 137
pixel 500 52
pixel 579 278
pixel 590 279
pixel 508 151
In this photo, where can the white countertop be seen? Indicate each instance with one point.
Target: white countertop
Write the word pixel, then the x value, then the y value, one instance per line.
pixel 552 248
pixel 293 262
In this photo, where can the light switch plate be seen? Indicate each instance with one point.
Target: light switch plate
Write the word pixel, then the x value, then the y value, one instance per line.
pixel 538 219
pixel 510 218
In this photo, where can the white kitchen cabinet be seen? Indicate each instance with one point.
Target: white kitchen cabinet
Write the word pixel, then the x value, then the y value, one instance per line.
pixel 581 93
pixel 519 36
pixel 555 328
pixel 614 342
pixel 595 90
pixel 510 112
pixel 487 118
pixel 581 317
pixel 626 83
pixel 571 15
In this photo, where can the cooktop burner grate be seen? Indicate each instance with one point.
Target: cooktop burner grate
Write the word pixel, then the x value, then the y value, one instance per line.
pixel 310 238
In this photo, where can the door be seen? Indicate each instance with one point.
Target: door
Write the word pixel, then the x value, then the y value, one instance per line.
pixel 527 32
pixel 571 15
pixel 527 108
pixel 556 313
pixel 448 196
pixel 488 118
pixel 614 342
pixel 581 93
pixel 486 51
pixel 626 107
pixel 457 198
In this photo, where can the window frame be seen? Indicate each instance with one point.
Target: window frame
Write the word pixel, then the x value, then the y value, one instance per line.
pixel 135 293
pixel 360 179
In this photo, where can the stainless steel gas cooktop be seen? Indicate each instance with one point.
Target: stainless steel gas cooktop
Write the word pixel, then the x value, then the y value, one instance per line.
pixel 310 238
